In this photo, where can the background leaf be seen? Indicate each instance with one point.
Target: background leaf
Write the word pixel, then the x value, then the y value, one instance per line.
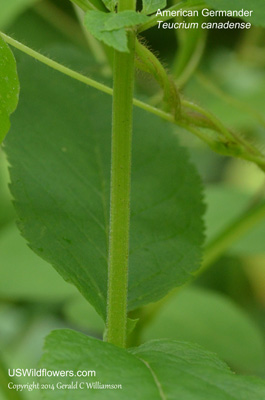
pixel 37 282
pixel 169 370
pixel 151 6
pixel 81 314
pixel 10 9
pixel 123 19
pixel 225 204
pixel 9 87
pixel 213 321
pixel 110 4
pixel 60 156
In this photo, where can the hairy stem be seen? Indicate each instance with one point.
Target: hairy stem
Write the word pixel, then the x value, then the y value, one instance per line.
pixel 226 143
pixel 55 65
pixel 148 62
pixel 123 86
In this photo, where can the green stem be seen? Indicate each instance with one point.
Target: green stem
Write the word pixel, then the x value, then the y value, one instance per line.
pixel 246 151
pixel 229 144
pixel 123 87
pixel 217 123
pixel 149 63
pixel 81 78
pixel 57 66
pixel 231 234
pixel 4 380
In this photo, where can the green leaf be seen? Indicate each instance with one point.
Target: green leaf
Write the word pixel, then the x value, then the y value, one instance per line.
pixel 95 20
pixel 61 189
pixel 123 19
pixel 131 324
pixel 151 6
pixel 6 208
pixel 110 27
pixel 110 4
pixel 158 370
pixel 258 7
pixel 213 321
pixel 10 9
pixel 9 87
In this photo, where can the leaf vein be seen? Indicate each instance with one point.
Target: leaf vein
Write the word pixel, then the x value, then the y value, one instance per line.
pixel 156 380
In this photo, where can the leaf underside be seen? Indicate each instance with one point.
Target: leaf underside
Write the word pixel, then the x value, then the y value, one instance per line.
pixel 59 151
pixel 110 28
pixel 158 370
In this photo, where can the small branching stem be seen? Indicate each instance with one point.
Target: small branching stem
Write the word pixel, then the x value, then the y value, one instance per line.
pixel 149 63
pixel 226 142
pixel 123 87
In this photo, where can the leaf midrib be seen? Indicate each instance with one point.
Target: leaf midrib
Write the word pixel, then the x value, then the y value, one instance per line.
pixel 156 380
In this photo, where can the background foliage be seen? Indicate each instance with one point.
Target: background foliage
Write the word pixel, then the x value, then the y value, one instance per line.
pixel 223 310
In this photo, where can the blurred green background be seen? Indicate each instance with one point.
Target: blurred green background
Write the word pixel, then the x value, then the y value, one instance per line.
pixel 224 308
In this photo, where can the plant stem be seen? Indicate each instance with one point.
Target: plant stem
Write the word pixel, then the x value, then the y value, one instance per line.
pixel 55 65
pixel 217 123
pixel 247 151
pixel 123 87
pixel 149 63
